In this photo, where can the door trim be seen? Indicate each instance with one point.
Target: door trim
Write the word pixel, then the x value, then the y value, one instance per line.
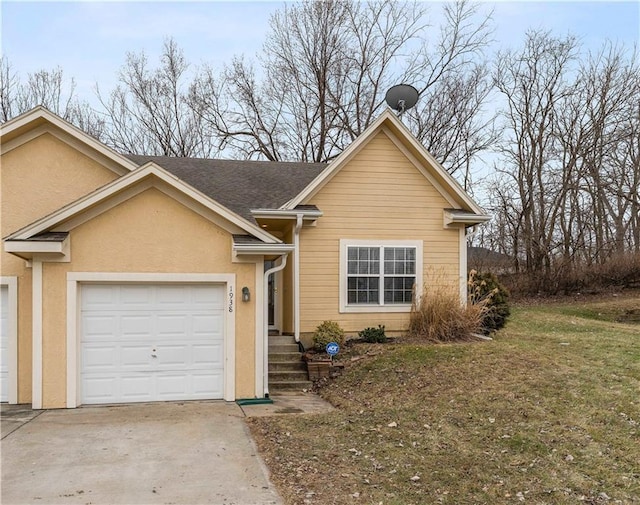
pixel 12 328
pixel 76 279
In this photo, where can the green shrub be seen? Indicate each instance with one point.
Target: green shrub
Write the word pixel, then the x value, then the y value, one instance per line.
pixel 486 289
pixel 373 335
pixel 328 331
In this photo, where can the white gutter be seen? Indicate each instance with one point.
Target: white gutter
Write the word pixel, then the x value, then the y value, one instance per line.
pixel 308 214
pixel 260 249
pixel 265 324
pixel 296 278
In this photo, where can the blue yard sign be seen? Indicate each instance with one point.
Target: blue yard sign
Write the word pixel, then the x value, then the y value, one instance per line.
pixel 332 349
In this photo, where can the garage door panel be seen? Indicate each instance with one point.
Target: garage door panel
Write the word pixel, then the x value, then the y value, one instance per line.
pixel 98 297
pixel 99 357
pixel 207 326
pixel 136 357
pixel 135 388
pixel 152 342
pixel 172 325
pixel 202 382
pixel 207 355
pixel 134 297
pixel 173 387
pixel 173 356
pixel 97 326
pixel 173 296
pixel 99 389
pixel 133 326
pixel 203 295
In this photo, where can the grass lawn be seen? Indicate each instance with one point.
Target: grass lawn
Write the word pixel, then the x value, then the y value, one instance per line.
pixel 548 412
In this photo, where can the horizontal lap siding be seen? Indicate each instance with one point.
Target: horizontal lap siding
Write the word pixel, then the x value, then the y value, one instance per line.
pixel 378 195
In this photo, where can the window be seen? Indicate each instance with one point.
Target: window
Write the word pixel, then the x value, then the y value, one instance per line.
pixel 379 275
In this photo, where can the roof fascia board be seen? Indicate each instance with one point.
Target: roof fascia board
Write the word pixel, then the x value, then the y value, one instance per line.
pixel 334 167
pixel 92 199
pixel 69 129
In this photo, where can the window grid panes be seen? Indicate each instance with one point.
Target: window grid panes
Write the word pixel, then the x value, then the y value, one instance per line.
pixel 370 269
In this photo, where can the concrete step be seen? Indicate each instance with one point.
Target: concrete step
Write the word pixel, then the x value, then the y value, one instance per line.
pixel 282 339
pixel 289 385
pixel 275 348
pixel 285 366
pixel 285 356
pixel 289 376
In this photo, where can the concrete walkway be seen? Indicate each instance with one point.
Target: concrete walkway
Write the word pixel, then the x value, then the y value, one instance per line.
pixel 289 403
pixel 182 453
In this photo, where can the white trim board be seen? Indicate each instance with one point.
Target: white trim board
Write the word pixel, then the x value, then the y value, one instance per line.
pixel 68 133
pixel 36 336
pixel 12 328
pixel 76 279
pixel 345 243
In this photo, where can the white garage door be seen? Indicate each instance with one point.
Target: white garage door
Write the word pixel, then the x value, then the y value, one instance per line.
pixel 151 342
pixel 4 343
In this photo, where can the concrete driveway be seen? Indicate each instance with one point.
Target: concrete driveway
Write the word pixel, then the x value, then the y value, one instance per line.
pixel 181 453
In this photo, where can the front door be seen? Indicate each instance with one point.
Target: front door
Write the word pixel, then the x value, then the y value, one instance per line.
pixel 272 295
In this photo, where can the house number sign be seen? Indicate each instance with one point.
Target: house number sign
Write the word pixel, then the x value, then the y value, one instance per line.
pixel 230 298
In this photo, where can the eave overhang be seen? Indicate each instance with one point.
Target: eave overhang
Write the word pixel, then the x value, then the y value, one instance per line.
pixel 46 247
pixel 308 214
pixel 454 217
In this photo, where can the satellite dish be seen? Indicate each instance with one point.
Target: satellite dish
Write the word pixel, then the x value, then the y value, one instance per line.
pixel 401 97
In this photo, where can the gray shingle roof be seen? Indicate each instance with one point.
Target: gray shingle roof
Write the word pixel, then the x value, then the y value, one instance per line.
pixel 240 185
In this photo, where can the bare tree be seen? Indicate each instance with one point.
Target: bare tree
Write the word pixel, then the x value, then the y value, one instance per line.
pixel 567 189
pixel 533 83
pixel 148 111
pixel 323 73
pixel 49 89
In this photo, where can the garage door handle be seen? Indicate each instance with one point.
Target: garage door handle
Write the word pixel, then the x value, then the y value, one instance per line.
pixel 153 354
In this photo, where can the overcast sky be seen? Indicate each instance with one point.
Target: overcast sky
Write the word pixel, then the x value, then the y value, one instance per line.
pixel 89 40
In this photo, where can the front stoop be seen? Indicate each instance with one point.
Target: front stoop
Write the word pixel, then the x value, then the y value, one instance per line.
pixel 287 369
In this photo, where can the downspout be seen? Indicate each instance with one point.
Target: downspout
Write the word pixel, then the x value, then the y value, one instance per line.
pixel 296 279
pixel 265 325
pixel 468 233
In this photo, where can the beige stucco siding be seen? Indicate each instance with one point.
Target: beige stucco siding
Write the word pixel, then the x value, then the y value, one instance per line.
pixel 37 178
pixel 378 195
pixel 150 233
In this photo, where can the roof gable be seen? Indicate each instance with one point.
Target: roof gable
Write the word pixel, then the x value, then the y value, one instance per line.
pixel 39 121
pixel 240 185
pixel 123 188
pixel 389 123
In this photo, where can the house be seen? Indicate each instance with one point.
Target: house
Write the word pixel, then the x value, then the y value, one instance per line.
pixel 483 259
pixel 133 278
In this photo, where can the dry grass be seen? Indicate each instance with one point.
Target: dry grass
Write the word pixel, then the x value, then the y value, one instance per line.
pixel 437 316
pixel 549 412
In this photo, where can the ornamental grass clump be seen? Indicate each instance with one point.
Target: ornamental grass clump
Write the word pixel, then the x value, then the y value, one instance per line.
pixel 438 316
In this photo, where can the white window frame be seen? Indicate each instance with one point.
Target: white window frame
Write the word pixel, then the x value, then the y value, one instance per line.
pixel 363 308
